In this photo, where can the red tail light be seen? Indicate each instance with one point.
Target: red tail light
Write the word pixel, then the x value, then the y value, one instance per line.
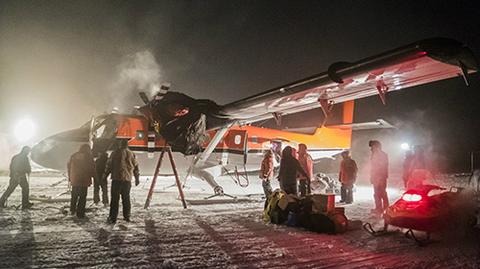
pixel 411 197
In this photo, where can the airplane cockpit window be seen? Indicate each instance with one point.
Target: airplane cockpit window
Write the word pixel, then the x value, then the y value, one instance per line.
pixel 99 131
pixel 105 128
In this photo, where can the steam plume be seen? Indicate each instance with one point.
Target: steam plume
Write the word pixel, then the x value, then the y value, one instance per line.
pixel 136 72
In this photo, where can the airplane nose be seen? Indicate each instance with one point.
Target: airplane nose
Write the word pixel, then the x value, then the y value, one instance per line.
pixel 55 151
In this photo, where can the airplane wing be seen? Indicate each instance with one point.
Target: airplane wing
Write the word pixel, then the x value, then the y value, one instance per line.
pixel 377 124
pixel 412 65
pixel 181 119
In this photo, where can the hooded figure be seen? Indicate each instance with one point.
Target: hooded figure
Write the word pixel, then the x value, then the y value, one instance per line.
pixel 123 166
pixel 347 176
pixel 19 169
pixel 306 162
pixel 81 170
pixel 289 167
pixel 266 173
pixel 378 176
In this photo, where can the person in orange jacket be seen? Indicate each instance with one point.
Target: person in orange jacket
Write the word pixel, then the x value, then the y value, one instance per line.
pixel 81 170
pixel 266 173
pixel 347 176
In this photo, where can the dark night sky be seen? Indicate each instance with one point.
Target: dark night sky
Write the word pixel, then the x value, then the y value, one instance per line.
pixel 61 59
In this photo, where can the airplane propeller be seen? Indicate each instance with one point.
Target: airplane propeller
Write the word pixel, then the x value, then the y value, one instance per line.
pixel 91 132
pixel 144 97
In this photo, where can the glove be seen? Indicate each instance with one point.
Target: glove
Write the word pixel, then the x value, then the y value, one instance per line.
pixel 137 181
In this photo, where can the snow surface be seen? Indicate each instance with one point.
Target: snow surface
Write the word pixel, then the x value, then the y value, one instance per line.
pixel 221 235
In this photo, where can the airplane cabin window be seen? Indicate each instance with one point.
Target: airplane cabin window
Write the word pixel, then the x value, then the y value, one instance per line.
pixel 238 139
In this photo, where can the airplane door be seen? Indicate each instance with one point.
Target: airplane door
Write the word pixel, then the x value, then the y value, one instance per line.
pixel 236 144
pixel 236 141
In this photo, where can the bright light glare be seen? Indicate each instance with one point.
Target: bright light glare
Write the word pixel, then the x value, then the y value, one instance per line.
pixel 411 197
pixel 405 146
pixel 24 130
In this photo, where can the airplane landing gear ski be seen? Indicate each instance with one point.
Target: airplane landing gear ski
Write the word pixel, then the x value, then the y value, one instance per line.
pixel 218 191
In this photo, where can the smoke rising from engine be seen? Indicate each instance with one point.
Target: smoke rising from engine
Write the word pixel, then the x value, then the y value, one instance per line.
pixel 136 72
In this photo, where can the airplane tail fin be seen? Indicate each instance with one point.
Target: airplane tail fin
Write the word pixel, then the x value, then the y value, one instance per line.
pixel 343 116
pixel 340 138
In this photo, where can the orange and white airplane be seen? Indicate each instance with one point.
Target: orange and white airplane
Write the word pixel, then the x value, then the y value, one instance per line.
pixel 210 140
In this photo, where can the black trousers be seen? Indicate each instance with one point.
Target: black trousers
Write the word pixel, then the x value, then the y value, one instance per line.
pixel 14 182
pixel 78 201
pixel 97 184
pixel 120 188
pixel 290 187
pixel 304 187
pixel 346 193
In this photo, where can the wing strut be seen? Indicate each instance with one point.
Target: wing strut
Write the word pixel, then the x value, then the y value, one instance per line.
pixel 326 106
pixel 382 89
pixel 202 158
pixel 464 72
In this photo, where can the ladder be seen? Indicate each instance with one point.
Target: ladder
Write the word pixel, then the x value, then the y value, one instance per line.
pixel 156 174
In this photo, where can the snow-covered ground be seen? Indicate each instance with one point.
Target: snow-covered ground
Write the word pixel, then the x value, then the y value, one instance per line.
pixel 221 235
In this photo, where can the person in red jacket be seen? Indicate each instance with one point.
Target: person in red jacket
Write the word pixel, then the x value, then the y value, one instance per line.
pixel 378 176
pixel 81 170
pixel 347 176
pixel 306 162
pixel 266 173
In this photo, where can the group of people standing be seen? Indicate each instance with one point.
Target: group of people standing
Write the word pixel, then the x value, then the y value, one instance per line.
pixel 121 165
pixel 295 174
pixel 296 170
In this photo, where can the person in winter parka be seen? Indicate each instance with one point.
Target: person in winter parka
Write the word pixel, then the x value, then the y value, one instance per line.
pixel 378 176
pixel 289 167
pixel 306 162
pixel 347 177
pixel 123 166
pixel 266 173
pixel 81 170
pixel 19 170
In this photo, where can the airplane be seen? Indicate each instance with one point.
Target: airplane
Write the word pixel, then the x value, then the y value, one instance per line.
pixel 210 139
